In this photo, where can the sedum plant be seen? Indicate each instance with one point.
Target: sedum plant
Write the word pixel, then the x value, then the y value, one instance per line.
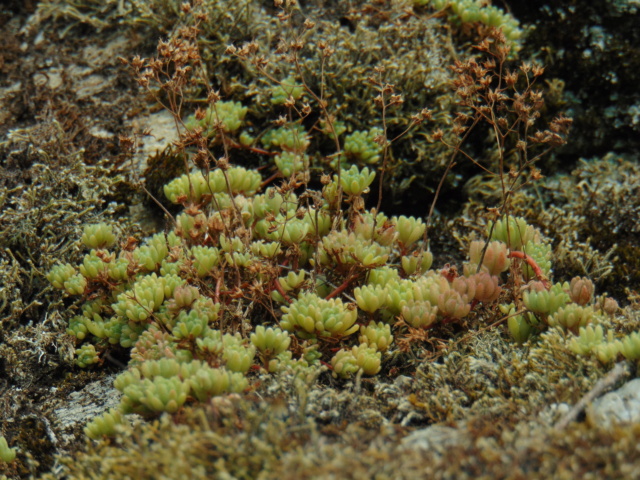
pixel 630 346
pixel 311 317
pixel 285 90
pixel 512 231
pixel 105 424
pixel 355 182
pixel 572 317
pixel 475 11
pixel 176 300
pixel 227 116
pixel 6 454
pixel 361 358
pixel 376 335
pixel 362 148
pixel 280 273
pixel 98 236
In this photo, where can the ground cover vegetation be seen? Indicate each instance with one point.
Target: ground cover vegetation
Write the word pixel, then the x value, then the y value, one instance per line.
pixel 282 271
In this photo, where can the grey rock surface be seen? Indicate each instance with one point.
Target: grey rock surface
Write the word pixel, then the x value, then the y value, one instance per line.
pixel 620 406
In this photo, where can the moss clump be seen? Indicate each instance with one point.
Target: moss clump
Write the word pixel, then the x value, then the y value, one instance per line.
pixel 44 200
pixel 482 388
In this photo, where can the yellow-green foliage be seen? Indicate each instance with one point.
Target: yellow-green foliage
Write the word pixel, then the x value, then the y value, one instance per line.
pixel 285 90
pixel 312 316
pixel 359 358
pixel 477 11
pixel 6 454
pixel 361 147
pixel 184 301
pixel 227 116
pixel 98 236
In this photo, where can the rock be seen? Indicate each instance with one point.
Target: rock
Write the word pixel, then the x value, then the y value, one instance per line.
pixel 620 406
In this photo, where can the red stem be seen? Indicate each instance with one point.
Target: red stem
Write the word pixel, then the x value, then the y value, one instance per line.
pixel 278 287
pixel 341 288
pixel 534 266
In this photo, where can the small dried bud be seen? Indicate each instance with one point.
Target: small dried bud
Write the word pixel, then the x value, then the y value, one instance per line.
pixel 130 245
pixel 511 78
pixel 200 114
pixel 536 174
pixel 185 7
pixel 561 124
pixel 137 62
pixel 358 204
pixel 537 70
pixel 201 159
pixel 223 163
pixel 308 24
pixel 609 306
pixel 165 49
pixel 327 52
pixel 126 143
pixel 380 140
pixel 213 97
pixel 281 48
pixel 396 100
pixel 230 50
pixel 489 64
pixel 458 130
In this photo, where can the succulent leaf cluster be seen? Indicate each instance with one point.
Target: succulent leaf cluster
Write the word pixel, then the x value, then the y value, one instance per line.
pixel 360 147
pixel 474 11
pixel 311 316
pixel 595 340
pixel 359 358
pixel 513 232
pixel 227 116
pixel 287 89
pixel 182 301
pixel 6 454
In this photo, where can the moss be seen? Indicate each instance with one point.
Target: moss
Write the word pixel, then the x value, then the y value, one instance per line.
pixel 457 369
pixel 600 70
pixel 483 391
pixel 45 197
